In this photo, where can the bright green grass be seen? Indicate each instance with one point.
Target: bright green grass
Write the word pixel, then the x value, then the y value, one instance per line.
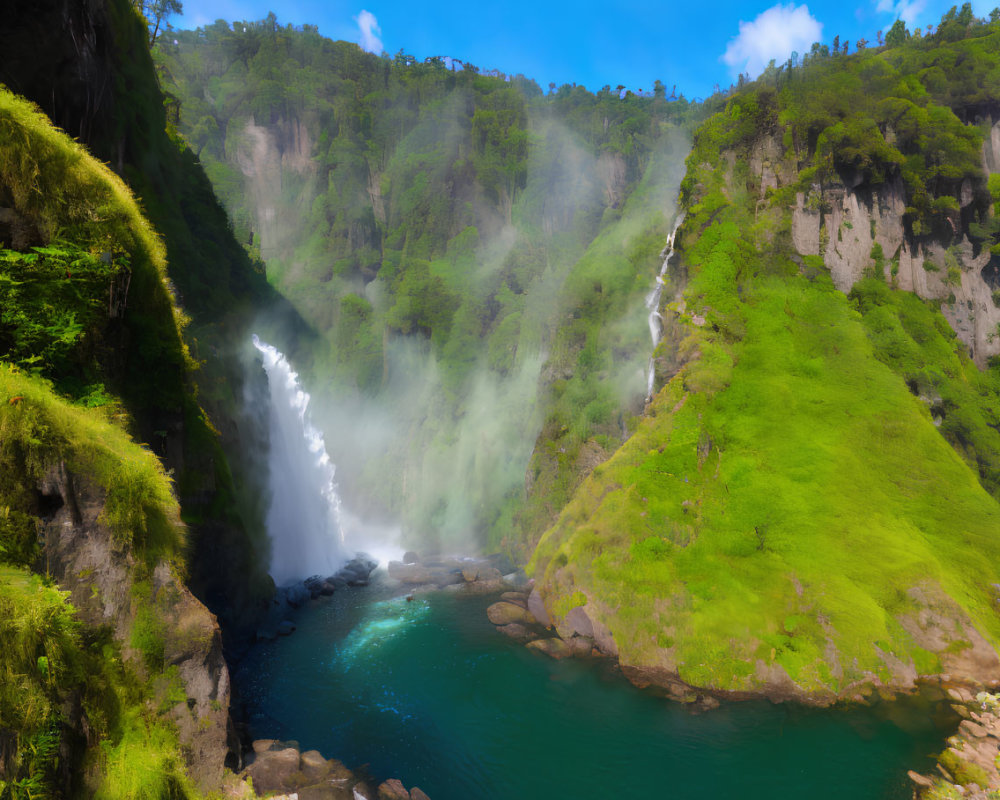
pixel 824 495
pixel 39 429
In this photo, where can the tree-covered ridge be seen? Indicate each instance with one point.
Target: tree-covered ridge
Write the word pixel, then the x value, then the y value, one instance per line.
pixel 806 510
pixel 432 221
pixel 914 109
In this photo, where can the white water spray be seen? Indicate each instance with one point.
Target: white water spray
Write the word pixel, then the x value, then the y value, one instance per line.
pixel 653 304
pixel 303 521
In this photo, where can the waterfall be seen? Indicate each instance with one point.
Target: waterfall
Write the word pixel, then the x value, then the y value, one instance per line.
pixel 303 521
pixel 653 304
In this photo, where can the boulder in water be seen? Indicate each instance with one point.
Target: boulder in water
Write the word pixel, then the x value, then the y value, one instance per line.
pixel 556 648
pixel 417 793
pixel 517 632
pixel 313 585
pixel 393 789
pixel 481 572
pixel 296 595
pixel 272 770
pixel 504 613
pixel 409 557
pixel 410 573
pixel 286 627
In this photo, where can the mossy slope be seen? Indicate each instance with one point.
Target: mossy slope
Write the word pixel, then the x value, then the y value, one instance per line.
pixel 806 509
pixel 784 518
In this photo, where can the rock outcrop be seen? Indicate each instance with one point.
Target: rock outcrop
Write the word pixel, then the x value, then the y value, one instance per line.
pixel 100 573
pixel 843 223
pixel 277 767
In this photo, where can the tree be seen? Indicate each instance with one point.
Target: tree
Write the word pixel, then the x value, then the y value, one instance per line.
pixel 897 34
pixel 836 43
pixel 878 36
pixel 156 13
pixel 862 43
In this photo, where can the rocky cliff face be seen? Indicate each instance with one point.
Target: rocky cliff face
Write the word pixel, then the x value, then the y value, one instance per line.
pixel 843 223
pixel 269 156
pixel 81 553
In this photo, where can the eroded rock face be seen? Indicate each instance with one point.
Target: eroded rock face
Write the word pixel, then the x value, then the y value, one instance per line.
pixel 84 557
pixel 842 223
pixel 265 154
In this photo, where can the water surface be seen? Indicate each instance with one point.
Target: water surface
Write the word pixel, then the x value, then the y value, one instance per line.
pixel 429 692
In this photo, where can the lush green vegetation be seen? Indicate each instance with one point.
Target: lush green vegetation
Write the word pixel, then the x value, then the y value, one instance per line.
pixel 790 504
pixel 91 351
pixel 56 673
pixel 437 226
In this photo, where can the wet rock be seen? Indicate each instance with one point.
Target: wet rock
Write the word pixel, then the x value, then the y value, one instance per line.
pixel 580 645
pixel 537 608
pixel 314 767
pixel 418 794
pixel 556 648
pixel 286 628
pixel 409 557
pixel 517 632
pixel 272 770
pixel 517 598
pixel 313 585
pixel 327 588
pixel 295 595
pixel 480 572
pixel 392 789
pixel 410 573
pixel 504 613
pixel 484 587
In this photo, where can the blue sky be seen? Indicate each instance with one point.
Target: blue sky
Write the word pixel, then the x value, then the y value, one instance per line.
pixel 692 45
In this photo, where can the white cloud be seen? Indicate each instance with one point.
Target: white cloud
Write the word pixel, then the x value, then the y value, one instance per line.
pixel 775 33
pixel 906 10
pixel 369 32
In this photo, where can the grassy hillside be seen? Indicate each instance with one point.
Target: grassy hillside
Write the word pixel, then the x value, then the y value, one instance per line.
pixel 806 509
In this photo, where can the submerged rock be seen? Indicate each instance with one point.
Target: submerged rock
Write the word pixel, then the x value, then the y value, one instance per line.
pixel 286 627
pixel 517 632
pixel 556 648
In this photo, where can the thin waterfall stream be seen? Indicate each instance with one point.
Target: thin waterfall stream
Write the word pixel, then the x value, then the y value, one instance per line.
pixel 653 304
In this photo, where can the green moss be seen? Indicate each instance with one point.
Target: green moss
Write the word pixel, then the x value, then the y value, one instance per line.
pixel 963 771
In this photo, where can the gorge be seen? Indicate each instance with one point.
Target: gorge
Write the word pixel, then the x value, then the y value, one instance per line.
pixel 781 526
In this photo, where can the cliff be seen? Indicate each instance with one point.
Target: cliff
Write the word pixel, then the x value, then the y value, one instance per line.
pixel 119 685
pixel 805 511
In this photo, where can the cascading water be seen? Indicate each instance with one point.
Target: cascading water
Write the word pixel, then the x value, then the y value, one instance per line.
pixel 303 521
pixel 653 304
